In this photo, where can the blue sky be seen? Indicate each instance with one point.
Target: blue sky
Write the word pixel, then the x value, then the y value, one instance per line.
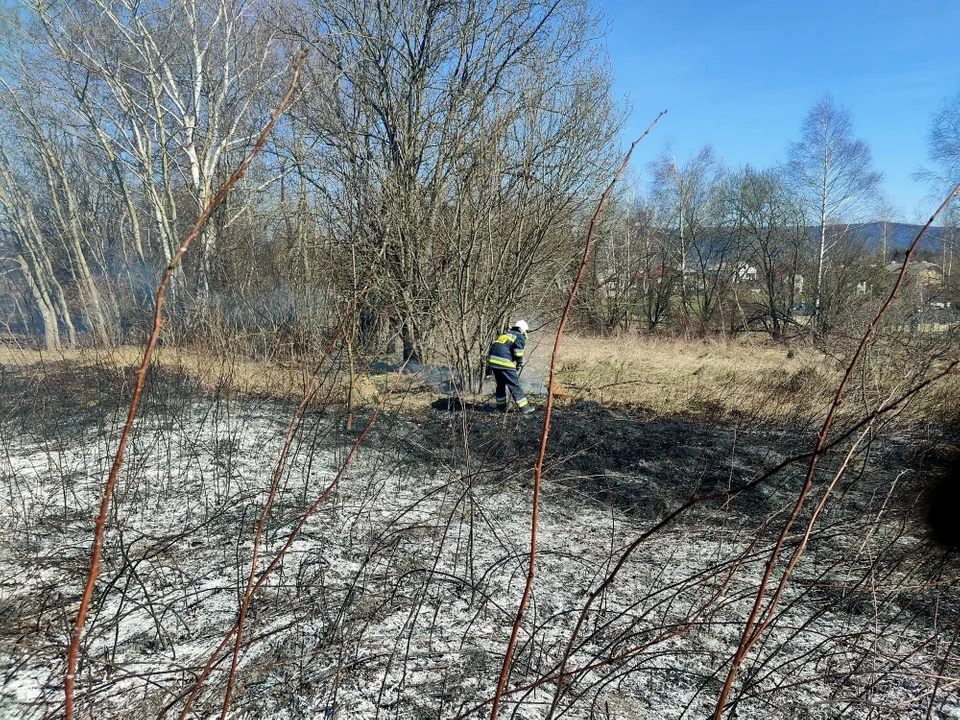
pixel 741 76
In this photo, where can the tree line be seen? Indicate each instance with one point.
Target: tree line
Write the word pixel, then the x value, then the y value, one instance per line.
pixel 800 248
pixel 440 161
pixel 436 159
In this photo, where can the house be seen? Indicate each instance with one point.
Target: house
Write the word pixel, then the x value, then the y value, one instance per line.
pixel 925 273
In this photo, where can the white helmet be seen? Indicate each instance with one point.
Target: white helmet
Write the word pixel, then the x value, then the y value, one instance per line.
pixel 522 326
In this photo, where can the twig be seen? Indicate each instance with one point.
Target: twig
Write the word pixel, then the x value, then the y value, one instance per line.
pixel 237 625
pixel 943 665
pixel 538 465
pixel 749 637
pixel 726 495
pixel 141 378
pixel 277 473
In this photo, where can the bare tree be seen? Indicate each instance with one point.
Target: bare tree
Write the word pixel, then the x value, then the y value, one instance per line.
pixel 943 151
pixel 51 177
pixel 460 136
pixel 771 232
pixel 25 250
pixel 448 146
pixel 834 173
pixel 685 198
pixel 950 244
pixel 885 213
pixel 609 287
pixel 127 116
pixel 943 145
pixel 631 281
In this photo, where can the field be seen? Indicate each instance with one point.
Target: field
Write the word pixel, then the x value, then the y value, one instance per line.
pixel 663 377
pixel 670 472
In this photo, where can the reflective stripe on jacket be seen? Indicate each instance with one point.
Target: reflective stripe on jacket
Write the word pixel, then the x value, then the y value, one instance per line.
pixel 507 350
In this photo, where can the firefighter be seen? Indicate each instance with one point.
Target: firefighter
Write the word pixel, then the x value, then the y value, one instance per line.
pixel 505 361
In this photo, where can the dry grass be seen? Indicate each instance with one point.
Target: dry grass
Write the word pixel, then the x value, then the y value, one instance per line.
pixel 225 374
pixel 753 379
pixel 719 380
pixel 210 371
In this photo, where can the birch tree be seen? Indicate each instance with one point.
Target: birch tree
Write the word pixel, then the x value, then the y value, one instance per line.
pixel 169 92
pixel 26 253
pixel 834 174
pixel 685 196
pixel 943 151
pixel 943 145
pixel 48 180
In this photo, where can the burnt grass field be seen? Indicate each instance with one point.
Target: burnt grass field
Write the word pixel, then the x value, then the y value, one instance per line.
pixel 396 595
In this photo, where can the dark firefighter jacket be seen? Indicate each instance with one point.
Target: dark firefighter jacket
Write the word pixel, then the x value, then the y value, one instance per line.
pixel 506 353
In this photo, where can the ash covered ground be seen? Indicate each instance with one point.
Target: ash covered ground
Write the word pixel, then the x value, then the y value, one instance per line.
pixel 397 596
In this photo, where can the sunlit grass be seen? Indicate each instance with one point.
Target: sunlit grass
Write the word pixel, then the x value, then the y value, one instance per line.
pixel 716 380
pixel 720 380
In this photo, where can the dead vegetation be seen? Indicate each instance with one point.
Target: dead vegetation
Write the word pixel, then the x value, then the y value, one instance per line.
pixel 395 598
pixel 329 538
pixel 719 380
pixel 722 381
pixel 739 539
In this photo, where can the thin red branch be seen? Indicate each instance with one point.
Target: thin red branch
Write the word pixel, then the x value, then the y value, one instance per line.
pixel 560 673
pixel 943 664
pixel 727 496
pixel 795 558
pixel 275 483
pixel 538 465
pixel 138 388
pixel 238 623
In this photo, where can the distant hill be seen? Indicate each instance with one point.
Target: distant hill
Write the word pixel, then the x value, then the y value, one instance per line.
pixel 899 235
